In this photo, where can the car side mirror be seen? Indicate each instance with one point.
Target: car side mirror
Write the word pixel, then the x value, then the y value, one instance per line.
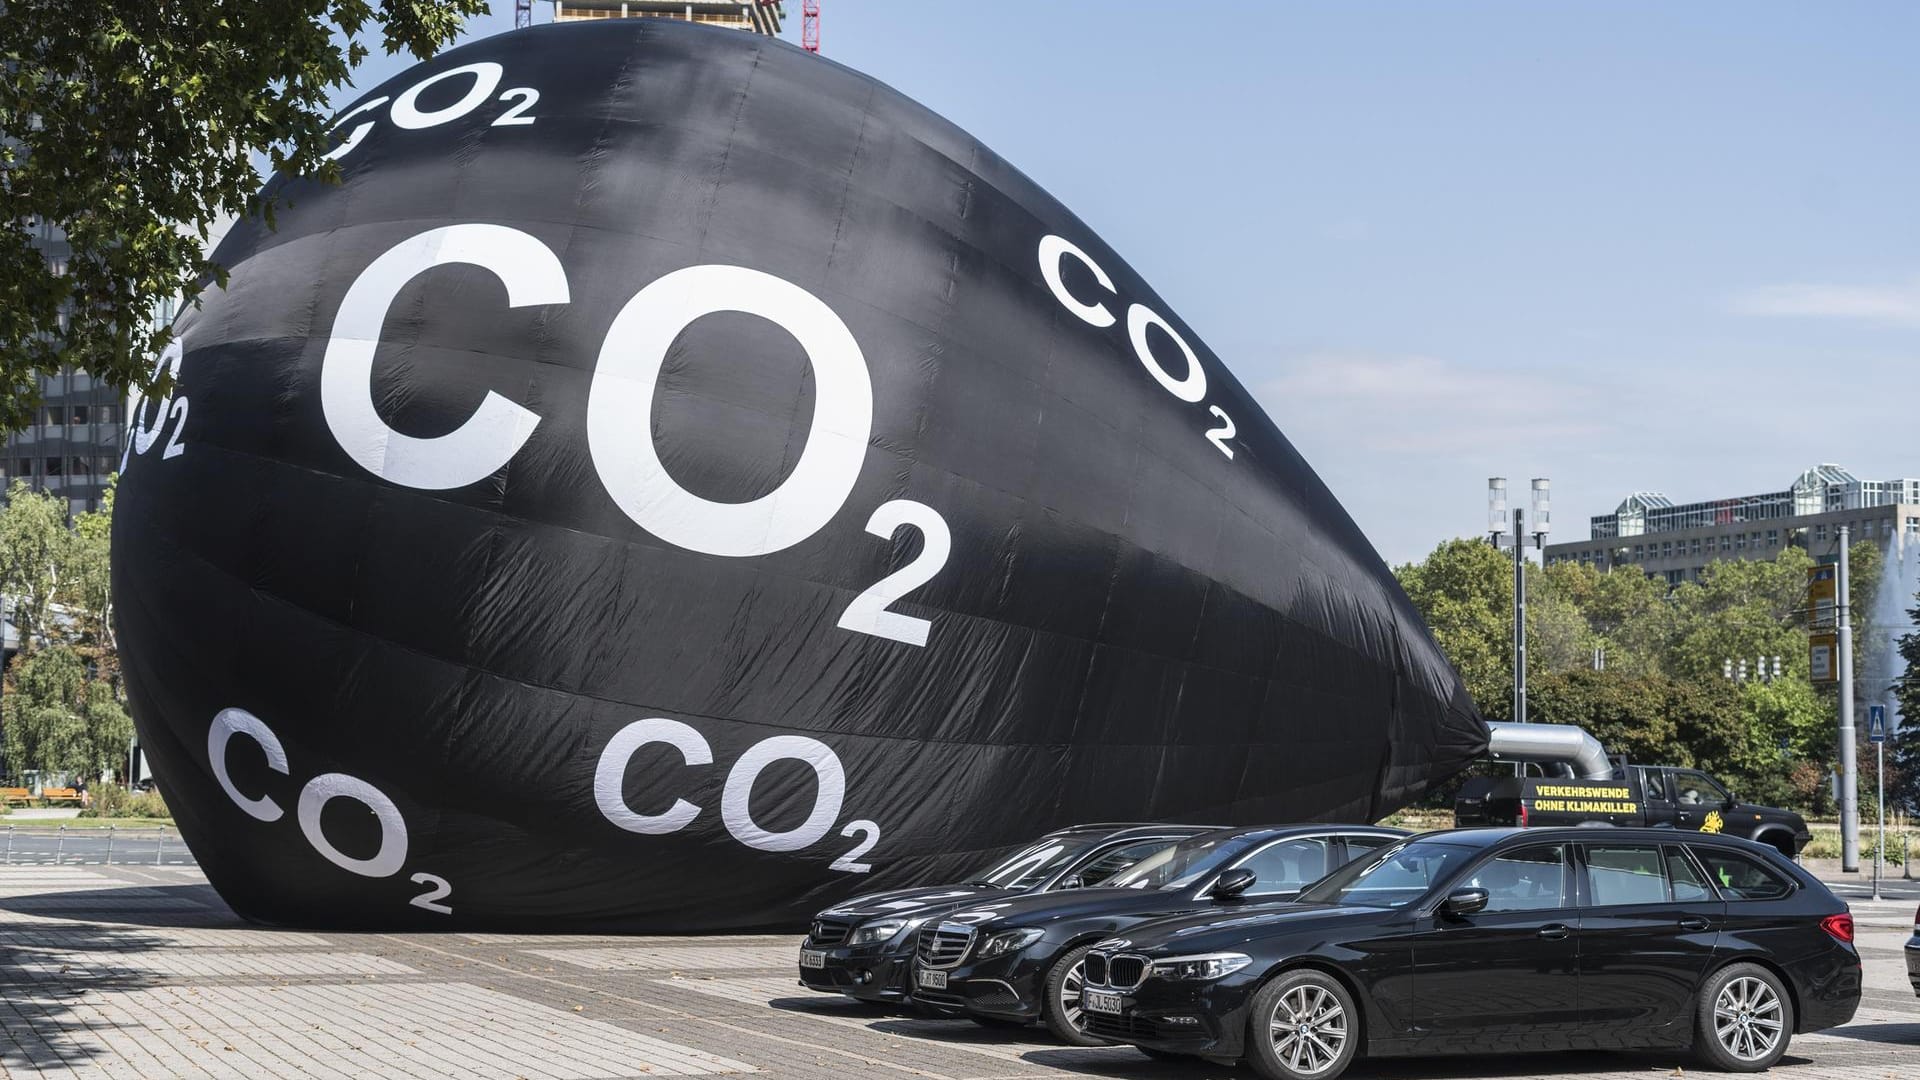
pixel 1072 881
pixel 1233 883
pixel 1461 902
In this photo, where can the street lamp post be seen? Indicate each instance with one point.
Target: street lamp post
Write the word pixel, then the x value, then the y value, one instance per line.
pixel 1849 770
pixel 1497 520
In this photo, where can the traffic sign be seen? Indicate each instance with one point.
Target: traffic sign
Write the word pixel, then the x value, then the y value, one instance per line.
pixel 1823 660
pixel 1823 595
pixel 1876 723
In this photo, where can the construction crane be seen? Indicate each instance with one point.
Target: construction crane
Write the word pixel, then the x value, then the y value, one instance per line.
pixel 809 22
pixel 810 25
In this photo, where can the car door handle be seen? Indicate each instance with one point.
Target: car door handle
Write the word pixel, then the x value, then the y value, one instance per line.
pixel 1555 932
pixel 1694 924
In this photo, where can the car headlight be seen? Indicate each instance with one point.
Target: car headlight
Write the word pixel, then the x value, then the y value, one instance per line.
pixel 1207 966
pixel 881 930
pixel 1011 941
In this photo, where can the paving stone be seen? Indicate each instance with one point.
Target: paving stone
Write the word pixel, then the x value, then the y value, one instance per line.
pixel 139 972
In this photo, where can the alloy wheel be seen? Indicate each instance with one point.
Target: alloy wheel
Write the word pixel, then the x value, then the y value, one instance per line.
pixel 1309 1029
pixel 1071 989
pixel 1747 1018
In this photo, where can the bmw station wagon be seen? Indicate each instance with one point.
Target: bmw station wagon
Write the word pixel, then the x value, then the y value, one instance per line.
pixel 864 947
pixel 1486 940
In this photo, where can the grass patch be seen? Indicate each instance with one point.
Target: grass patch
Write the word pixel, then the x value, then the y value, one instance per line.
pixel 1826 844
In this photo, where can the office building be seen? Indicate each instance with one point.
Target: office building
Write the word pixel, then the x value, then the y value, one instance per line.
pixel 73 443
pixel 1654 535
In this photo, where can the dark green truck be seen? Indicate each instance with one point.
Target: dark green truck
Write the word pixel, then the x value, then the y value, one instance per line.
pixel 1655 795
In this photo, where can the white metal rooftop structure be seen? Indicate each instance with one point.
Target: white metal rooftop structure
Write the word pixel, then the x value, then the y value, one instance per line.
pixel 1824 488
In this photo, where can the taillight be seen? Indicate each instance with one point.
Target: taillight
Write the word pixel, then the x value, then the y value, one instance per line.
pixel 1523 815
pixel 1840 927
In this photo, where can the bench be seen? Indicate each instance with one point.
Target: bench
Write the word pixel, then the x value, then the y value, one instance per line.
pixel 59 794
pixel 15 796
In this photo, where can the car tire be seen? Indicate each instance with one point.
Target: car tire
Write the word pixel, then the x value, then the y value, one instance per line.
pixel 997 1022
pixel 1060 999
pixel 1743 1019
pixel 1302 1025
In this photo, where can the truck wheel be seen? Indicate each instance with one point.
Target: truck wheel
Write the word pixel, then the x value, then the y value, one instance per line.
pixel 1743 1019
pixel 1060 999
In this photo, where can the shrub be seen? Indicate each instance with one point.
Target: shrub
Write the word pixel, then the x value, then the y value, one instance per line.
pixel 114 801
pixel 108 801
pixel 148 804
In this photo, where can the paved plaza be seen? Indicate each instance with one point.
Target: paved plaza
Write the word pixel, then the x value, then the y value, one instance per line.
pixel 140 971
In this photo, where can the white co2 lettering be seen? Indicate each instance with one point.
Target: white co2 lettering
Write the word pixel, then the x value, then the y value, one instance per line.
pixel 498 428
pixel 609 779
pixel 1189 387
pixel 406 113
pixel 868 613
pixel 172 407
pixel 386 860
pixel 629 370
pixel 626 377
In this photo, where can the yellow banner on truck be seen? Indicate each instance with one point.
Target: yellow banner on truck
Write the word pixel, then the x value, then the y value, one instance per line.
pixel 1549 799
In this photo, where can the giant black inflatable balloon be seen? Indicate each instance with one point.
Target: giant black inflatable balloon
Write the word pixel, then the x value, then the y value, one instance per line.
pixel 673 482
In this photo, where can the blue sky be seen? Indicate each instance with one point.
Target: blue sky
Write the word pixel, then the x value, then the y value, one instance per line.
pixel 1624 245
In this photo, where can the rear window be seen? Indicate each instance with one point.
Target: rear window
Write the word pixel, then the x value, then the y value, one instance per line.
pixel 1742 877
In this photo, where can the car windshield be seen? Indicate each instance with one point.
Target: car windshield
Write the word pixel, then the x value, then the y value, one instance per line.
pixel 1394 878
pixel 1030 867
pixel 1180 865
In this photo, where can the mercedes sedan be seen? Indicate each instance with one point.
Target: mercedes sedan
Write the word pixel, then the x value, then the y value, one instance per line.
pixel 863 947
pixel 1487 940
pixel 1012 962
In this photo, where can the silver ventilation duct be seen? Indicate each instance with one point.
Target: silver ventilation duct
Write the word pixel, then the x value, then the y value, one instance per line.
pixel 1550 743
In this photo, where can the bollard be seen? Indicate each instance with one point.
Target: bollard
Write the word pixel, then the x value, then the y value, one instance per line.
pixel 60 847
pixel 109 845
pixel 159 845
pixel 1906 856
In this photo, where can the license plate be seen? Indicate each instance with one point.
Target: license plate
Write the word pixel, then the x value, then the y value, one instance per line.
pixel 812 958
pixel 1095 1001
pixel 931 979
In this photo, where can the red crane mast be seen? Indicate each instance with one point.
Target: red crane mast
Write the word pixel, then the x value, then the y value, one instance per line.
pixel 810 25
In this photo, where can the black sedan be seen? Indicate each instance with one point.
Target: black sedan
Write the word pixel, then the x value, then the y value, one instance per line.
pixel 1014 961
pixel 1913 954
pixel 1487 940
pixel 864 947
